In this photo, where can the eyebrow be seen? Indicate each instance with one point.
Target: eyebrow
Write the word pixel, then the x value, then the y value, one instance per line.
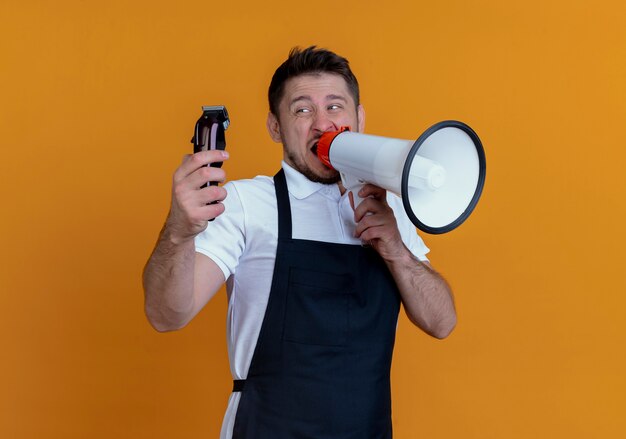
pixel 330 97
pixel 336 97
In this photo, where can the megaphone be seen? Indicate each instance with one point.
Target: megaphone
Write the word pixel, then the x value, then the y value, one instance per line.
pixel 440 176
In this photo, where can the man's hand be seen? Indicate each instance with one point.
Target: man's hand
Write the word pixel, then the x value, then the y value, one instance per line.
pixel 376 223
pixel 177 281
pixel 426 296
pixel 191 209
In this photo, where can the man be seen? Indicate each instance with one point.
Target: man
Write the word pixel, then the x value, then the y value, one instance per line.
pixel 314 286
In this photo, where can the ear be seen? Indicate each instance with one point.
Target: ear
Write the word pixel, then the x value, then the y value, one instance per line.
pixel 273 127
pixel 360 114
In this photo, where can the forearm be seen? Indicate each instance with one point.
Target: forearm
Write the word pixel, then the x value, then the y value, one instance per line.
pixel 168 281
pixel 426 296
pixel 174 291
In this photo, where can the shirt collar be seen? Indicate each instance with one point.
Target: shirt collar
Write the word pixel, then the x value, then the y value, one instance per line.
pixel 300 186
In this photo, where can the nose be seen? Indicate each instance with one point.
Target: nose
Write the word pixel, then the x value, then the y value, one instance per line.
pixel 323 123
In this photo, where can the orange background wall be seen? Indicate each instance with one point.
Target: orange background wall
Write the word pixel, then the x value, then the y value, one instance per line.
pixel 97 106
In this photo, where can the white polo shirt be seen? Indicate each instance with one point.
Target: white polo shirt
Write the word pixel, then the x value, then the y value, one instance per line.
pixel 242 242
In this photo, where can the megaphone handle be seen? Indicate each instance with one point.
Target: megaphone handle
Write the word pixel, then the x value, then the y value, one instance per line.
pixel 353 185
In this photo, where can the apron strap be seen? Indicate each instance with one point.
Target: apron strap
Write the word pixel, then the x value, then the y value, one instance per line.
pixel 284 207
pixel 239 385
pixel 284 231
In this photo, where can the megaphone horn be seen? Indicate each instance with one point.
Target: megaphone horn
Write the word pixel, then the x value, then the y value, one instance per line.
pixel 439 186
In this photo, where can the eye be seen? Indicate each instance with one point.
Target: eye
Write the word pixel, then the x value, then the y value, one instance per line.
pixel 303 110
pixel 334 107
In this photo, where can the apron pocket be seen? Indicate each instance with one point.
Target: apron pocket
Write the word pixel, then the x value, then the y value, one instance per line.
pixel 317 308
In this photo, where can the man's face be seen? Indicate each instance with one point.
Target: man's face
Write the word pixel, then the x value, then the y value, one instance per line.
pixel 311 105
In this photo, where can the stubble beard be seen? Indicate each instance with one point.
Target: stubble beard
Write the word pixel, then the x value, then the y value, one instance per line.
pixel 305 170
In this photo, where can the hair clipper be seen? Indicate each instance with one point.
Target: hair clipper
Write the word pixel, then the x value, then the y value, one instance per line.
pixel 209 132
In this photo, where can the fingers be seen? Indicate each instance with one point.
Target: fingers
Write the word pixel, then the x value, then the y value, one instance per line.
pixel 194 173
pixel 366 228
pixel 192 219
pixel 375 219
pixel 381 232
pixel 192 197
pixel 211 194
pixel 374 201
pixel 369 190
pixel 210 211
pixel 203 176
pixel 193 162
pixel 193 205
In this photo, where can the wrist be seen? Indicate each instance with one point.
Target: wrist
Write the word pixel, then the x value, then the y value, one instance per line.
pixel 173 237
pixel 400 256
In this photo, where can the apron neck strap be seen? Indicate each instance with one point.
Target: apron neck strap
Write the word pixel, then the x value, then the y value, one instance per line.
pixel 284 208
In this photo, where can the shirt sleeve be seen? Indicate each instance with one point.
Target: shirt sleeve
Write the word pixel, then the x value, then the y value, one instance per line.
pixel 223 240
pixel 408 232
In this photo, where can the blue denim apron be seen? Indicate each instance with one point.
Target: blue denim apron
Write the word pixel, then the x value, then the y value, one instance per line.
pixel 321 366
